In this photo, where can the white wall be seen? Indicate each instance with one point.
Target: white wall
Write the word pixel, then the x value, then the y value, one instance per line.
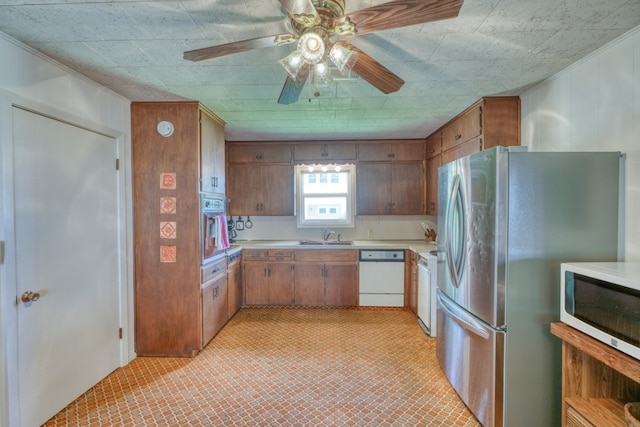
pixel 594 105
pixel 33 81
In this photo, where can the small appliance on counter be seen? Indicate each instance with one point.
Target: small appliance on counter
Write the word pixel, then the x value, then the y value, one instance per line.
pixel 602 299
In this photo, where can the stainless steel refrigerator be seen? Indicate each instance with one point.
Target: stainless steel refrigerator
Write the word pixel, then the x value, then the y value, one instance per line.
pixel 507 220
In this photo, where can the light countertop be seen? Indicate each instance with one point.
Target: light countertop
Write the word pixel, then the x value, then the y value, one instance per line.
pixel 413 245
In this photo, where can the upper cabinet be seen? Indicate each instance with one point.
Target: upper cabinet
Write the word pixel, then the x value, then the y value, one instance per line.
pixel 391 151
pixel 260 179
pixel 318 153
pixel 212 158
pixel 259 153
pixel 490 122
pixel 391 178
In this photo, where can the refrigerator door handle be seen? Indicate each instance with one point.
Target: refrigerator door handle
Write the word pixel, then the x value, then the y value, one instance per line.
pixel 455 223
pixel 463 319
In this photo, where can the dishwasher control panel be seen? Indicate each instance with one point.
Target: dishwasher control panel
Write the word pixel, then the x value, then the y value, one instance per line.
pixel 382 255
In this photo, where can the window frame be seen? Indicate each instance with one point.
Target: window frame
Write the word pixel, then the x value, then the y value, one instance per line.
pixel 302 222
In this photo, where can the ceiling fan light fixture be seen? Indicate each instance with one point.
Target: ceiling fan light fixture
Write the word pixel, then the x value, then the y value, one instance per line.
pixel 311 47
pixel 292 64
pixel 343 57
pixel 321 74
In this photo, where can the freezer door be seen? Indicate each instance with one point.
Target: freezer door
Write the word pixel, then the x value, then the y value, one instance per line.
pixel 472 225
pixel 470 354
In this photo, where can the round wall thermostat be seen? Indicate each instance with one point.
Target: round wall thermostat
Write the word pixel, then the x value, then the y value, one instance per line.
pixel 165 128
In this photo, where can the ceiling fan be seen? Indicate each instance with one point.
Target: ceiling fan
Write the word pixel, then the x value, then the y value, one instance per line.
pixel 317 26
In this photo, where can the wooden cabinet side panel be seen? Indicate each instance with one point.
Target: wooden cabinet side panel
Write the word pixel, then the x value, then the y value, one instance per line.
pixel 432 166
pixel 501 116
pixel 167 294
pixel 234 289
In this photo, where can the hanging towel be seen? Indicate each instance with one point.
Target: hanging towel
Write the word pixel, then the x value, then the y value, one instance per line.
pixel 222 242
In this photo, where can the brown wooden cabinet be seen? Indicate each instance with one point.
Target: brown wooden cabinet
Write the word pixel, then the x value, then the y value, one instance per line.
pixel 212 158
pixel 234 285
pixel 433 162
pixel 326 278
pixel 316 152
pixel 596 380
pixel 490 122
pixel 267 277
pixel 167 172
pixel 260 179
pixel 260 189
pixel 390 188
pixel 261 152
pixel 214 307
pixel 401 150
pixel 411 281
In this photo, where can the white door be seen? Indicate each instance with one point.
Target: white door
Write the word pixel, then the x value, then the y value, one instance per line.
pixel 66 234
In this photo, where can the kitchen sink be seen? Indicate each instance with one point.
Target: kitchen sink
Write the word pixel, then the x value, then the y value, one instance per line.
pixel 327 243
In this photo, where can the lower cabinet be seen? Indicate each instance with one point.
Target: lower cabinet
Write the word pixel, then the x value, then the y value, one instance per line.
pixel 268 277
pixel 597 380
pixel 234 287
pixel 301 277
pixel 214 307
pixel 325 278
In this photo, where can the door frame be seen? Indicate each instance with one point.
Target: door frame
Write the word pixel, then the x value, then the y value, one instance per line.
pixel 9 405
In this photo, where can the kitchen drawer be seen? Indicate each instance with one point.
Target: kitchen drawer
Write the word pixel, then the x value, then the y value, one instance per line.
pixel 325 255
pixel 279 254
pixel 266 254
pixel 213 269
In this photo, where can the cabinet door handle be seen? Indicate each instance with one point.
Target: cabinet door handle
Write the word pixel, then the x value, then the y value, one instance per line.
pixel 457 137
pixel 259 156
pixel 391 155
pixel 216 292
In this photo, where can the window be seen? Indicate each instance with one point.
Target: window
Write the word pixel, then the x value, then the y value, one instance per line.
pixel 325 195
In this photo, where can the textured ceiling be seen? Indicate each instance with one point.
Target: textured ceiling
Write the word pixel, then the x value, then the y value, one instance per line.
pixel 494 47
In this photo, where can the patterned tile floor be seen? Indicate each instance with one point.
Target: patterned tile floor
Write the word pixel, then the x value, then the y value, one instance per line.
pixel 285 367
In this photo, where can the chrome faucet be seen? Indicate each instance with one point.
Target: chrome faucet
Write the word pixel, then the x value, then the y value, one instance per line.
pixel 327 234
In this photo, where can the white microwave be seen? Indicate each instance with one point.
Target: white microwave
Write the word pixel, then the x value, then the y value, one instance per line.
pixel 602 299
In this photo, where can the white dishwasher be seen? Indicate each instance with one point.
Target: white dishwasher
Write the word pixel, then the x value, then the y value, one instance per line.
pixel 382 277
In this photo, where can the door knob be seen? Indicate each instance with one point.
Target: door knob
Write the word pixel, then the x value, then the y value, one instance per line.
pixel 29 296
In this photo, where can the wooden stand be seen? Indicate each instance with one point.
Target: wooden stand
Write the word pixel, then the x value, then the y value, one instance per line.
pixel 596 380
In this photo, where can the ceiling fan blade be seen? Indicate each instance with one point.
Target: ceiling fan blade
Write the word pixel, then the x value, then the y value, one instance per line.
pixel 302 11
pixel 291 90
pixel 374 72
pixel 239 46
pixel 400 13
